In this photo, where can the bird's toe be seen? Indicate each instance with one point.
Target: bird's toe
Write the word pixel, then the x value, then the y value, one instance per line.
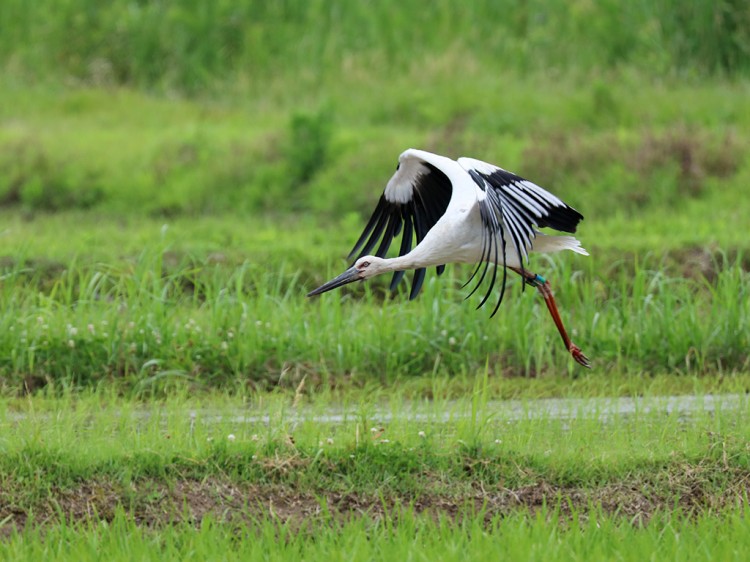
pixel 578 355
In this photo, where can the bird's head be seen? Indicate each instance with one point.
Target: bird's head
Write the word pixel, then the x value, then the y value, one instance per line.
pixel 364 268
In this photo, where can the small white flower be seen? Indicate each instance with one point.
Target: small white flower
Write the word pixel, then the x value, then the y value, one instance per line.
pixel 209 439
pixel 224 345
pixel 231 437
pixel 71 344
pixel 422 434
pixel 498 441
pixel 230 334
pixel 329 440
pixel 374 430
pixel 91 328
pixel 444 333
pixel 72 330
pixel 254 437
pixel 385 440
pixel 451 341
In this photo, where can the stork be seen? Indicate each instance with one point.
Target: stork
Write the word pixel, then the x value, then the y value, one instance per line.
pixel 463 211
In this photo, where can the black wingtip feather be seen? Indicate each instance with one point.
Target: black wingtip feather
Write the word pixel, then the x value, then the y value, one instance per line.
pixel 410 219
pixel 374 219
pixel 564 219
pixel 416 285
pixel 397 277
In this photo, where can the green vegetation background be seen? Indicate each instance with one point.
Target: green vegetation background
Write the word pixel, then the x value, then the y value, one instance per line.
pixel 174 176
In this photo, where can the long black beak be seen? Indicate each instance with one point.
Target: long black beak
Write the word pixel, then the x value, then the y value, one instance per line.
pixel 348 276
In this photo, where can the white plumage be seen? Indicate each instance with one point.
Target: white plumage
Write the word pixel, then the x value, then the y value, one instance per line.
pixel 462 211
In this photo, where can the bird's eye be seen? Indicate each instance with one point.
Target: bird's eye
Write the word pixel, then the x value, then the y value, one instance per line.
pixel 365 264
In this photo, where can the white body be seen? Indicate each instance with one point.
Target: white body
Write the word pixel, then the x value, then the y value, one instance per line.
pixel 457 236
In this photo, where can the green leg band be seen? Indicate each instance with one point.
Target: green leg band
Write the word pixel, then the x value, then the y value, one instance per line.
pixel 536 281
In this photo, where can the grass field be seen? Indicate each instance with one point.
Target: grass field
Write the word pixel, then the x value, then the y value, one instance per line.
pixel 210 303
pixel 176 176
pixel 180 268
pixel 189 473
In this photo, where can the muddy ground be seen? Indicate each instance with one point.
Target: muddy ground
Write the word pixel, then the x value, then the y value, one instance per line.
pixel 154 503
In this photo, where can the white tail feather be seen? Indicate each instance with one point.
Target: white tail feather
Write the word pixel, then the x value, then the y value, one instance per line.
pixel 546 243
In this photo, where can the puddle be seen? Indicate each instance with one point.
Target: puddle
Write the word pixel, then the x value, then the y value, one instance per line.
pixel 427 412
pixel 510 410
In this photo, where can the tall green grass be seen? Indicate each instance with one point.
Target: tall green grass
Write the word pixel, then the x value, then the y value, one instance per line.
pixel 189 45
pixel 163 316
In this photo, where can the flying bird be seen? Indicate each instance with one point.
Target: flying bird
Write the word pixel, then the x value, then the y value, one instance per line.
pixel 463 211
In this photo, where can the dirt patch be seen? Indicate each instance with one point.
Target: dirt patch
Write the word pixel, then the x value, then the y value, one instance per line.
pixel 154 503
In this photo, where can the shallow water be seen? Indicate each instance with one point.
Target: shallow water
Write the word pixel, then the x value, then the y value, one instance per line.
pixel 603 409
pixel 511 410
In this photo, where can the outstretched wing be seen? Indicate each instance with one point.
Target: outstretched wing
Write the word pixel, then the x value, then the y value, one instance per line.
pixel 514 205
pixel 414 199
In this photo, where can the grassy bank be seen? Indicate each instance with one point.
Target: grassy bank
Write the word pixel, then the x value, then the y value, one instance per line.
pixel 626 147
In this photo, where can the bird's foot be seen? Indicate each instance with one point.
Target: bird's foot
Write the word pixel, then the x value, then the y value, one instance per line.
pixel 578 355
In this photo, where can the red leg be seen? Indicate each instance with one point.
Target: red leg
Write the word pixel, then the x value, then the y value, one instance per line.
pixel 544 288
